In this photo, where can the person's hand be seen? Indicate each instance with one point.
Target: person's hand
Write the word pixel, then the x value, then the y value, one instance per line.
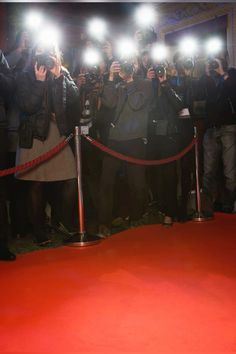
pixel 220 69
pixel 151 74
pixel 114 69
pixel 81 80
pixel 162 78
pixel 40 73
pixel 187 72
pixel 207 69
pixel 56 70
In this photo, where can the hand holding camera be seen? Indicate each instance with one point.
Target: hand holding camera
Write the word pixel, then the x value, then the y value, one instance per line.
pixel 40 72
pixel 56 69
pixel 81 80
pixel 158 72
pixel 114 69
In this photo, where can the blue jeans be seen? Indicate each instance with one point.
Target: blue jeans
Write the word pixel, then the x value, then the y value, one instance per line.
pixel 219 145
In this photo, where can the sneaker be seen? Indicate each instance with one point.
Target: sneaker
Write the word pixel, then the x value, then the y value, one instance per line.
pixel 167 221
pixel 43 242
pixel 103 231
pixel 59 227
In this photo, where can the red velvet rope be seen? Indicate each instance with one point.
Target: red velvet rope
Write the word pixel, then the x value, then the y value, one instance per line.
pixel 102 147
pixel 38 159
pixel 139 161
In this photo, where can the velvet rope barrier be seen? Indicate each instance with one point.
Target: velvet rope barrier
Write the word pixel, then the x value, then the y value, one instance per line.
pixel 139 161
pixel 47 155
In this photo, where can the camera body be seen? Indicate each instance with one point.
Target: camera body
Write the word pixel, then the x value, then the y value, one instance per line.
pixel 45 60
pixel 92 77
pixel 160 70
pixel 126 67
pixel 188 63
pixel 213 64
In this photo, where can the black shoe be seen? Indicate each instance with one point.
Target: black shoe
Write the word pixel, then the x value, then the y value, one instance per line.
pixel 6 255
pixel 42 239
pixel 103 231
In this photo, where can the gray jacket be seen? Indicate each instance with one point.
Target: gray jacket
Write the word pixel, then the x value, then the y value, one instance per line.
pixel 132 104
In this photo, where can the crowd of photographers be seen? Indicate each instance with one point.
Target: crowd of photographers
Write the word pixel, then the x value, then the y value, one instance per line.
pixel 136 107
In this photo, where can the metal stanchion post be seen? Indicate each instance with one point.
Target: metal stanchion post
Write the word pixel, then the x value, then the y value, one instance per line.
pixel 199 215
pixel 82 238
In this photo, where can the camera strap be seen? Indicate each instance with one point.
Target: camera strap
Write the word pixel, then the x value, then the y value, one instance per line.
pixel 118 113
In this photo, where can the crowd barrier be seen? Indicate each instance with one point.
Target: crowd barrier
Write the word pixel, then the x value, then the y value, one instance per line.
pixel 82 238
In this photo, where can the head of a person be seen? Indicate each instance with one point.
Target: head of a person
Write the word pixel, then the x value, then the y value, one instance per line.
pixel 46 55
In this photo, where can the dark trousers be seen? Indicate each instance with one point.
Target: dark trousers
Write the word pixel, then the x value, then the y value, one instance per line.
pixel 163 178
pixel 3 194
pixel 220 146
pixel 135 175
pixel 62 197
pixel 19 203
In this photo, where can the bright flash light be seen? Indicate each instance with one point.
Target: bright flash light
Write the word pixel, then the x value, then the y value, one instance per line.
pixel 188 46
pixel 126 48
pixel 145 15
pixel 97 28
pixel 213 45
pixel 91 56
pixel 49 36
pixel 34 20
pixel 159 52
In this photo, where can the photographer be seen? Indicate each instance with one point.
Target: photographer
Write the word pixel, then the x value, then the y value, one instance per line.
pixel 7 84
pixel 131 99
pixel 181 80
pixel 218 88
pixel 164 142
pixel 97 117
pixel 45 92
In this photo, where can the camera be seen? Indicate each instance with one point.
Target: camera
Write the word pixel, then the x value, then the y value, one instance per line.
pixel 45 60
pixel 213 64
pixel 160 70
pixel 188 64
pixel 126 67
pixel 92 77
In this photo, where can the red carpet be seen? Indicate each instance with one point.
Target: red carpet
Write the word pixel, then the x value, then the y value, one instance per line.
pixel 146 290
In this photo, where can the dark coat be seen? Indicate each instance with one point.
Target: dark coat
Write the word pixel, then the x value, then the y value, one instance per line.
pixel 7 84
pixel 38 99
pixel 164 115
pixel 220 96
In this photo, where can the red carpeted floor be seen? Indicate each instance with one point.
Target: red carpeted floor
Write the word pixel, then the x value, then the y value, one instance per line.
pixel 145 290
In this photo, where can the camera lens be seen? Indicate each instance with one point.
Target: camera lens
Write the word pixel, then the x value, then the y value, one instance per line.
pixel 126 67
pixel 213 64
pixel 160 70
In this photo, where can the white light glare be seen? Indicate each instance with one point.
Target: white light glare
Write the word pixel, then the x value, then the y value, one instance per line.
pixel 97 28
pixel 126 48
pixel 213 45
pixel 34 20
pixel 91 56
pixel 145 15
pixel 188 46
pixel 159 52
pixel 49 36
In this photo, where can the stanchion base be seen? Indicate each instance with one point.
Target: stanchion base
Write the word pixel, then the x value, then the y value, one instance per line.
pixel 200 217
pixel 82 240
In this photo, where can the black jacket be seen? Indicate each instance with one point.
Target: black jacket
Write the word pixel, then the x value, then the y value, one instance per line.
pixel 38 99
pixel 220 96
pixel 164 114
pixel 7 84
